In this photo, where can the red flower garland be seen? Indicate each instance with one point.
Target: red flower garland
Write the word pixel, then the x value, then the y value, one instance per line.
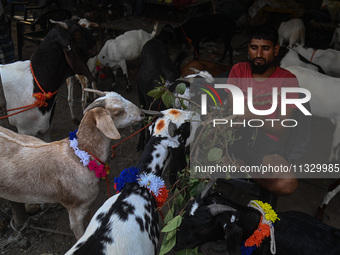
pixel 262 231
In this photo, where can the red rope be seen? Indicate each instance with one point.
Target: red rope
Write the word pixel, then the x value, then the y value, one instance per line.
pixel 40 99
pixel 116 145
pixel 189 41
pixel 312 56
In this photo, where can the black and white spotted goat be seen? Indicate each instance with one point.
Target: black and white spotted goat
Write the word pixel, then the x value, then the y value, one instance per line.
pixel 127 223
pixel 63 53
pixel 212 217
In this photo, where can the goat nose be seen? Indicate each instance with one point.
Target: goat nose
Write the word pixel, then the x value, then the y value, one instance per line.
pixel 142 114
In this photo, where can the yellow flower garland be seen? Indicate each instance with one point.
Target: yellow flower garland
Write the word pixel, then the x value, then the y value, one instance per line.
pixel 270 214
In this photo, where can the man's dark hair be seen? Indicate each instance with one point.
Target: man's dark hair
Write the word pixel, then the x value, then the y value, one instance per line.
pixel 264 32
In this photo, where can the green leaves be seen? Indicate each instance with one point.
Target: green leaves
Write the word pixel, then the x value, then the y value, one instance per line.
pixel 170 229
pixel 173 224
pixel 215 154
pixel 180 88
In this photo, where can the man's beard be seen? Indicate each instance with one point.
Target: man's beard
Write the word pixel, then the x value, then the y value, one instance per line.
pixel 260 69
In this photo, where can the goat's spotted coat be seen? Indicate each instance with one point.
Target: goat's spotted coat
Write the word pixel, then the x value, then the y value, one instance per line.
pixel 127 223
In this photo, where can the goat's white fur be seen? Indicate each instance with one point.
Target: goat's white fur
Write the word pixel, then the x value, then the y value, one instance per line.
pixel 328 59
pixel 29 122
pixel 324 101
pixel 125 47
pixel 33 171
pixel 292 59
pixel 292 31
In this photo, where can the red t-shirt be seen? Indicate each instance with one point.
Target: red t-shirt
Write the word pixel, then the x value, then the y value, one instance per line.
pixel 242 77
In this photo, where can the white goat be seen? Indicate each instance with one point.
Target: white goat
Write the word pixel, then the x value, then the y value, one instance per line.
pixel 292 58
pixel 127 223
pixel 292 31
pixel 125 47
pixel 335 43
pixel 33 171
pixel 324 99
pixel 328 59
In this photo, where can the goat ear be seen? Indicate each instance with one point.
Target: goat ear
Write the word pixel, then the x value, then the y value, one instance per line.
pixel 106 125
pixel 76 62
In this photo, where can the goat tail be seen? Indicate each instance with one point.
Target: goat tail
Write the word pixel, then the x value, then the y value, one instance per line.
pixel 155 27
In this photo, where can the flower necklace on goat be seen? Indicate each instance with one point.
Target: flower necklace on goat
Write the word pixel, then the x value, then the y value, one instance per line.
pixel 265 228
pixel 153 183
pixel 101 170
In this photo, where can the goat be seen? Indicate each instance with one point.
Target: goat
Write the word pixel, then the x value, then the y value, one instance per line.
pixel 335 43
pixel 333 189
pixel 155 65
pixel 213 68
pixel 324 101
pixel 292 31
pixel 63 53
pixel 328 59
pixel 125 47
pixel 195 28
pixel 289 57
pixel 212 217
pixel 33 171
pixel 84 82
pixel 127 223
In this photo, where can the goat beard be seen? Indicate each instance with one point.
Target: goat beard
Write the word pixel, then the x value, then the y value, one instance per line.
pixel 260 69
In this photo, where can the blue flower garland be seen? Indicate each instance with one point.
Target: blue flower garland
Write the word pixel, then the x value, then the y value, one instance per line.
pixel 129 175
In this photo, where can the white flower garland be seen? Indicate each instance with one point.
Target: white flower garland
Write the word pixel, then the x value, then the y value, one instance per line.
pixel 83 155
pixel 152 182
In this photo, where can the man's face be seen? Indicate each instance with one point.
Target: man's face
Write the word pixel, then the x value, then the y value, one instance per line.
pixel 262 54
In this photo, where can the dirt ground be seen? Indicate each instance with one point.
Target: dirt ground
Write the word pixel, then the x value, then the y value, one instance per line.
pixel 54 217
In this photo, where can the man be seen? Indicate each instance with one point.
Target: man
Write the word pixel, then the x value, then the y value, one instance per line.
pixel 262 74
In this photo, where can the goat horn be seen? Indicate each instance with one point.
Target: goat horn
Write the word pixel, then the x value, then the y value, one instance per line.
pixel 153 113
pixel 98 92
pixel 194 69
pixel 60 23
pixel 97 103
pixel 218 208
pixel 207 188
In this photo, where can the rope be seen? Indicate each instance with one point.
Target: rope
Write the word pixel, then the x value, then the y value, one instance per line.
pixel 189 41
pixel 135 133
pixel 312 55
pixel 255 205
pixel 40 99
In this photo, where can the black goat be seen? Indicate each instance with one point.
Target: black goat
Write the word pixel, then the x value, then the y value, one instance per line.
pixel 155 65
pixel 195 28
pixel 212 217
